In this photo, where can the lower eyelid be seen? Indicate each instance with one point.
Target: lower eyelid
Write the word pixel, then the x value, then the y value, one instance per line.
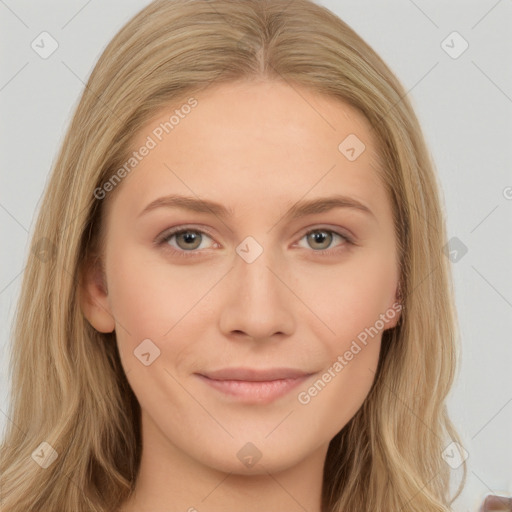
pixel 344 238
pixel 168 236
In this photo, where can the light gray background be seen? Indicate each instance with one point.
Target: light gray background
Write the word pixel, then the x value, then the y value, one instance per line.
pixel 464 105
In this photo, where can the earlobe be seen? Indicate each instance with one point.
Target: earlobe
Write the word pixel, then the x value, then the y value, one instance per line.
pixel 394 312
pixel 94 298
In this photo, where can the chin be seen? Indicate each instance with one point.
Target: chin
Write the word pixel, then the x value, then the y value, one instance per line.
pixel 252 458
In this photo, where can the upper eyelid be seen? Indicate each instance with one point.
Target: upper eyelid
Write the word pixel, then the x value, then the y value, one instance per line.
pixel 184 228
pixel 178 229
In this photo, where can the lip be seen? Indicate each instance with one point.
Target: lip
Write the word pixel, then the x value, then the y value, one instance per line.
pixel 254 385
pixel 255 374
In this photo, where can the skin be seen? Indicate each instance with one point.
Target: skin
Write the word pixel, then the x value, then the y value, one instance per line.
pixel 257 148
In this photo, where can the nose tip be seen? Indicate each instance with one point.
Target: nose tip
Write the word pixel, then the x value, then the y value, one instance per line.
pixel 256 302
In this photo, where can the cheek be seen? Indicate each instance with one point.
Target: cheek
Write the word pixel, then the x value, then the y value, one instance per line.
pixel 151 299
pixel 335 397
pixel 147 296
pixel 348 300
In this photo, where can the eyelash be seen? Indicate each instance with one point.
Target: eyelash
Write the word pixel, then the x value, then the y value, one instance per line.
pixel 164 238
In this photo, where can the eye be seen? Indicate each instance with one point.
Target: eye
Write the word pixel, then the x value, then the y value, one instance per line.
pixel 322 238
pixel 185 241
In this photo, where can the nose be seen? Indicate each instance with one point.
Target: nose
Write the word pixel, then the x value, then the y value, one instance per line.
pixel 257 302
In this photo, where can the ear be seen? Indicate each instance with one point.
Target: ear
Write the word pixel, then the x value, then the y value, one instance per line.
pixel 94 297
pixel 394 312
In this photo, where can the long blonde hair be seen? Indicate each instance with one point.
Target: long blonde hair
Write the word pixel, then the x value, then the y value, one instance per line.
pixel 68 386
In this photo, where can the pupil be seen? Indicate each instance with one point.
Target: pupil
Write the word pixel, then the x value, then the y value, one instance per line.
pixel 189 237
pixel 320 237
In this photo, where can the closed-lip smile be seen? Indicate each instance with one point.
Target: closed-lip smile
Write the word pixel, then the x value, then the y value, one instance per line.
pixel 251 385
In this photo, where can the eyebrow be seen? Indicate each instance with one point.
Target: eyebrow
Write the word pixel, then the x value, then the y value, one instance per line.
pixel 299 209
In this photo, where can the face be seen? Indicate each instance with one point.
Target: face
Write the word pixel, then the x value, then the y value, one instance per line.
pixel 250 327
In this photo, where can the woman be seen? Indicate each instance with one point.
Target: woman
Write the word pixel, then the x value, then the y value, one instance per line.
pixel 254 370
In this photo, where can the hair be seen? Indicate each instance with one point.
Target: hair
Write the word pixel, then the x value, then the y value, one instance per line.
pixel 68 385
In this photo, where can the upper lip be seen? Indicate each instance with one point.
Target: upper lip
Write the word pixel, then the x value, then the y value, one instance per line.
pixel 255 375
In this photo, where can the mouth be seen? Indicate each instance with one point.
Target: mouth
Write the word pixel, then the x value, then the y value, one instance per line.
pixel 253 385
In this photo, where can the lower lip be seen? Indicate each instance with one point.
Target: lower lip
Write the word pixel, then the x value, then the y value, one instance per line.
pixel 260 392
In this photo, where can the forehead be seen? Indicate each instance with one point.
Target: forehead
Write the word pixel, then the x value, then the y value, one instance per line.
pixel 252 143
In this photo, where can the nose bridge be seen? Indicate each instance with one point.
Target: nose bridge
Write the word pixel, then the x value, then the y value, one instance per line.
pixel 259 303
pixel 252 268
